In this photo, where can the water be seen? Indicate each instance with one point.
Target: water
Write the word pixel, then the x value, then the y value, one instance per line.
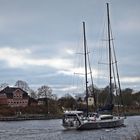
pixel 52 130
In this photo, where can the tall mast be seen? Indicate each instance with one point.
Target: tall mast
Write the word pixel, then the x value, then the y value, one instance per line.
pixel 110 61
pixel 92 85
pixel 85 56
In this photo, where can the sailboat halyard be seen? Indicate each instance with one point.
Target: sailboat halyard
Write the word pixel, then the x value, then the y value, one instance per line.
pixel 97 121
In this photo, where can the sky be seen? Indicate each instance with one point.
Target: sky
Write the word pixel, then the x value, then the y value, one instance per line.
pixel 39 39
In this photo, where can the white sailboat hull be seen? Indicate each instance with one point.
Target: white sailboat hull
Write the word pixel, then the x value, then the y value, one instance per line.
pixel 73 121
pixel 99 124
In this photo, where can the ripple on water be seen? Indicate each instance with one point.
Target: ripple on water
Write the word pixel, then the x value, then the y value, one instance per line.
pixel 52 130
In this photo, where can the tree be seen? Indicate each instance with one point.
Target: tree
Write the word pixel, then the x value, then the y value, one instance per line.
pixel 127 96
pixel 33 94
pixel 23 85
pixel 102 97
pixel 44 92
pixel 3 85
pixel 67 102
pixel 136 98
pixel 127 91
pixel 79 100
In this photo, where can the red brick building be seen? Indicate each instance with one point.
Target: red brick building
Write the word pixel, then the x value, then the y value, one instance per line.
pixel 14 97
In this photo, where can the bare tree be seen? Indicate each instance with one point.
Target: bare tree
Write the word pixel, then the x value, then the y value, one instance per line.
pixel 23 85
pixel 3 85
pixel 33 94
pixel 45 92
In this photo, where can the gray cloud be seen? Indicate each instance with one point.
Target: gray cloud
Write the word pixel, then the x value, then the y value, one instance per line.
pixel 45 35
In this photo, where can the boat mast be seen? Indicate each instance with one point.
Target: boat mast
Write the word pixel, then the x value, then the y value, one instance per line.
pixel 110 60
pixel 92 85
pixel 85 56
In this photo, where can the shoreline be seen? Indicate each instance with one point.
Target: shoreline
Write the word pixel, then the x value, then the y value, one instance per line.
pixel 29 117
pixel 40 117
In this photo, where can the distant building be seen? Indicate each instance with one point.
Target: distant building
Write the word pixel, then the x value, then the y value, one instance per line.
pixel 42 101
pixel 14 97
pixel 90 101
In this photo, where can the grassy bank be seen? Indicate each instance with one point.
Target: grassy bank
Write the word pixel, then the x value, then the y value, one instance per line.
pixel 29 111
pixel 53 110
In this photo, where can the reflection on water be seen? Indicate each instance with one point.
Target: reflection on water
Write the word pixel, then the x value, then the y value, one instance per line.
pixel 52 130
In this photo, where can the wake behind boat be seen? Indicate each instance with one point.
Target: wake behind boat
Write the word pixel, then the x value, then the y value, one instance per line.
pixel 86 121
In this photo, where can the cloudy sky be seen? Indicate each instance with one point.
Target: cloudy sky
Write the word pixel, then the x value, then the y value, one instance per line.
pixel 39 38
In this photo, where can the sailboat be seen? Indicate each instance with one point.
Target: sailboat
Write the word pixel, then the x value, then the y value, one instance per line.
pixel 76 119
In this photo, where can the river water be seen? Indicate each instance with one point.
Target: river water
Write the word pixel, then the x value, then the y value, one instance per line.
pixel 52 130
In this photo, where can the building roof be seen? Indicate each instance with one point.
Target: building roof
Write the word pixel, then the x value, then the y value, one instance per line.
pixel 10 90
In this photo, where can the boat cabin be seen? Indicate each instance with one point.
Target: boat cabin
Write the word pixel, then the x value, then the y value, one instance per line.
pixel 71 119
